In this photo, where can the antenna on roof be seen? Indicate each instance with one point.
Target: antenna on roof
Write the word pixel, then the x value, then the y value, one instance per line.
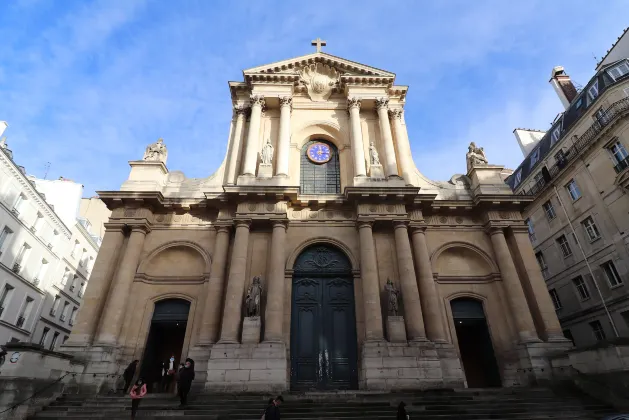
pixel 46 170
pixel 595 59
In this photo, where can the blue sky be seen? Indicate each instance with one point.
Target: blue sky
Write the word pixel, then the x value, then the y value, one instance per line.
pixel 86 85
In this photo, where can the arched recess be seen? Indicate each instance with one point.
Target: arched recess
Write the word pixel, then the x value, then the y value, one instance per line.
pixel 181 260
pixel 323 240
pixel 462 260
pixel 327 130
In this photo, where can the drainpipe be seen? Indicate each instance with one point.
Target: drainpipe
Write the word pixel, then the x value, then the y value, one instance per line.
pixel 585 258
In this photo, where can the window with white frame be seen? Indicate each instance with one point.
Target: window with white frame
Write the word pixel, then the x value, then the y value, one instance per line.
pixel 618 70
pixel 41 272
pixel 22 257
pixel 613 278
pixel 55 305
pixel 554 296
pixel 82 289
pixel 573 190
pixel 542 263
pixel 55 238
pixel 597 329
pixel 539 178
pixel 73 316
pixel 564 246
pixel 65 277
pixel 44 336
pixel 555 135
pixel 600 116
pixel 529 226
pixel 90 264
pixel 5 237
pixel 18 206
pixel 593 91
pixel 64 312
pixel 518 178
pixel 549 210
pixel 83 258
pixel 75 249
pixel 618 152
pixel 25 313
pixel 53 343
pixel 590 229
pixel 534 157
pixel 75 278
pixel 582 289
pixel 39 222
pixel 5 298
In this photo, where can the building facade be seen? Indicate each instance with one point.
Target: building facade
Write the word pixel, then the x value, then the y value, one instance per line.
pixel 578 175
pixel 318 256
pixel 43 271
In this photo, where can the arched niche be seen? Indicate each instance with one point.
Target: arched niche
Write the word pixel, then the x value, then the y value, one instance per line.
pixel 327 130
pixel 462 260
pixel 326 241
pixel 177 260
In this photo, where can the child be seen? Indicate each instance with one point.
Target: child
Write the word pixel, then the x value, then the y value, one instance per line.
pixel 137 393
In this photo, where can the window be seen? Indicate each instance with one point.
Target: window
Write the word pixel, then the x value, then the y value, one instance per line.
pixel 581 287
pixel 518 178
pixel 597 329
pixel 5 236
pixel 568 335
pixel 619 155
pixel 318 175
pixel 600 116
pixel 618 70
pixel 53 343
pixel 612 274
pixel 41 272
pixel 534 157
pixel 65 338
pixel 82 289
pixel 542 263
pixel 5 297
pixel 593 92
pixel 39 222
pixel 73 316
pixel 560 157
pixel 25 312
pixel 19 204
pixel 539 178
pixel 573 190
pixel 564 245
pixel 65 277
pixel 555 298
pixel 73 284
pixel 590 229
pixel 44 335
pixel 55 239
pixel 550 210
pixel 64 313
pixel 555 135
pixel 83 259
pixel 22 256
pixel 75 249
pixel 55 306
pixel 529 225
pixel 90 264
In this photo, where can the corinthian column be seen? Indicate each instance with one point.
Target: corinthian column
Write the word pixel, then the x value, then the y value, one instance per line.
pixel 371 286
pixel 253 140
pixel 236 147
pixel 212 312
pixel 408 283
pixel 119 296
pixel 406 161
pixel 283 145
pixel 274 316
pixel 515 293
pixel 382 105
pixel 236 284
pixel 358 151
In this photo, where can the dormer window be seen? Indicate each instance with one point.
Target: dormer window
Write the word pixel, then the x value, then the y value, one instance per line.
pixel 518 178
pixel 555 135
pixel 534 157
pixel 593 91
pixel 618 70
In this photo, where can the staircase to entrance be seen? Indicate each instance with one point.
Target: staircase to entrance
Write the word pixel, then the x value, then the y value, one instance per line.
pixel 497 404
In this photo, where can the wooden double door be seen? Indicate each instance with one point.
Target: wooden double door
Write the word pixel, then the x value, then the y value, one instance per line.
pixel 323 322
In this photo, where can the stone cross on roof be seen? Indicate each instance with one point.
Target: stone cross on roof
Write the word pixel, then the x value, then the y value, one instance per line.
pixel 318 43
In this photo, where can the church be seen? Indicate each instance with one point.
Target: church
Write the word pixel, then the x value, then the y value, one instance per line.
pixel 317 256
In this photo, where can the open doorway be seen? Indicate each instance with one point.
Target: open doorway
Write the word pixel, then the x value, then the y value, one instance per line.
pixel 165 340
pixel 475 346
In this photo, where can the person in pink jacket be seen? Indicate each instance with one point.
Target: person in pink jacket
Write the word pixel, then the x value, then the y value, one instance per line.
pixel 138 391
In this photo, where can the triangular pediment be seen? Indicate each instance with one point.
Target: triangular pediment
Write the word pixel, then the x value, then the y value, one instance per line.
pixel 343 66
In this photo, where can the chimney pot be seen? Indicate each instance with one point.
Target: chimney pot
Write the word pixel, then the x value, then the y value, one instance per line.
pixel 563 86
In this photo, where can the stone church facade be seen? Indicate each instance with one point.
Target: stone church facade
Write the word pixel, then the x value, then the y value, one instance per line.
pixel 273 273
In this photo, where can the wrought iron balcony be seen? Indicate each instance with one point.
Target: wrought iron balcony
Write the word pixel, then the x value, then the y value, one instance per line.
pixel 16 268
pixel 604 119
pixel 622 165
pixel 20 321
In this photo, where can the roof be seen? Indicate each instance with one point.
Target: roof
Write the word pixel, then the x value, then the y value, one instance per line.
pixel 612 47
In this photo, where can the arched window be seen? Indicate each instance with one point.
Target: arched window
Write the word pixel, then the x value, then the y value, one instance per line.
pixel 320 170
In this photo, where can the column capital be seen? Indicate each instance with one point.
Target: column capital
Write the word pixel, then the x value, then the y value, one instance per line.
pixel 114 227
pixel 257 100
pixel 222 227
pixel 418 227
pixel 365 223
pixel 286 101
pixel 353 102
pixel 242 223
pixel 143 228
pixel 382 103
pixel 400 223
pixel 241 110
pixel 396 113
pixel 494 230
pixel 279 223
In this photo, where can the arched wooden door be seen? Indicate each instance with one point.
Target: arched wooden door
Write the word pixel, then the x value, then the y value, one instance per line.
pixel 323 321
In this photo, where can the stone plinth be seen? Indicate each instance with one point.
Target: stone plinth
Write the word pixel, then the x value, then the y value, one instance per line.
pixel 259 367
pixel 251 330
pixel 396 330
pixel 376 172
pixel 265 170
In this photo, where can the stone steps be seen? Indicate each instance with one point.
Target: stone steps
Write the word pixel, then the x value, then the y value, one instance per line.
pixel 495 404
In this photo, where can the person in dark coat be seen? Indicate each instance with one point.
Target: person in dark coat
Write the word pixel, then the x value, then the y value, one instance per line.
pixel 273 410
pixel 184 382
pixel 401 412
pixel 128 375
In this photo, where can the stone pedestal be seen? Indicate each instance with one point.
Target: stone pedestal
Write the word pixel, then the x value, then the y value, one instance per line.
pixel 265 170
pixel 376 172
pixel 251 330
pixel 534 363
pixel 451 368
pixel 259 367
pixel 396 330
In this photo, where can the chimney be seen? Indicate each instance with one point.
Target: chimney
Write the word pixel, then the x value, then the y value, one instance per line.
pixel 3 126
pixel 528 139
pixel 563 86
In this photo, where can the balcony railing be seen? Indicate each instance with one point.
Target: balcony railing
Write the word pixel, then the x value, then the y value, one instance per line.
pixel 16 268
pixel 622 165
pixel 607 117
pixel 20 321
pixel 62 317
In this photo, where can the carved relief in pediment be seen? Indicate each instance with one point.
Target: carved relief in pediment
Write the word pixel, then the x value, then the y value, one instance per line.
pixel 319 79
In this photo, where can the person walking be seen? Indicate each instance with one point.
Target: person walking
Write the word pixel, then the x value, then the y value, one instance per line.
pixel 401 411
pixel 128 375
pixel 273 410
pixel 184 382
pixel 137 393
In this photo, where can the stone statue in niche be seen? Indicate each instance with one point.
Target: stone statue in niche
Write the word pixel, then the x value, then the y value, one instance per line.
pixel 373 154
pixel 475 156
pixel 267 153
pixel 156 152
pixel 393 308
pixel 254 295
